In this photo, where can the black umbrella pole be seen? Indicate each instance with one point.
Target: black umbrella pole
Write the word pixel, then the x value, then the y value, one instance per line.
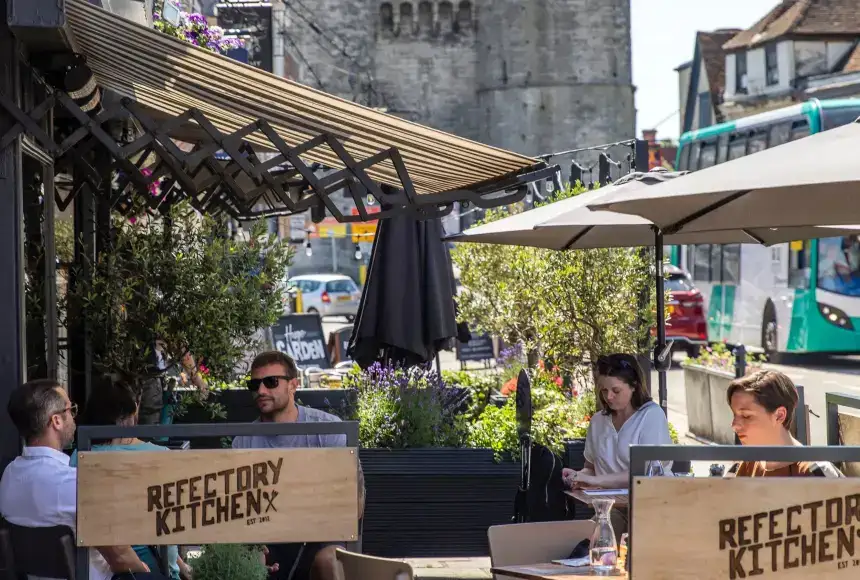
pixel 661 353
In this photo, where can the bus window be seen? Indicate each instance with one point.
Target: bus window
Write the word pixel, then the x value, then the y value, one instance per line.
pixel 694 156
pixel 684 158
pixel 708 155
pixel 737 146
pixel 690 259
pixel 702 263
pixel 757 142
pixel 839 265
pixel 716 262
pixel 723 148
pixel 832 118
pixel 780 134
pixel 799 130
pixel 731 264
pixel 798 265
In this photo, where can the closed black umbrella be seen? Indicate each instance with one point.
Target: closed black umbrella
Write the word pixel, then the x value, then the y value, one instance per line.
pixel 406 313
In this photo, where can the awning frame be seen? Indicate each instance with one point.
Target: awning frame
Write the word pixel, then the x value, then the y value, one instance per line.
pixel 244 186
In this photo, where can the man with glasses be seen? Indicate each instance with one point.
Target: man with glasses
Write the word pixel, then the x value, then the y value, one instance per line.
pixel 274 380
pixel 39 488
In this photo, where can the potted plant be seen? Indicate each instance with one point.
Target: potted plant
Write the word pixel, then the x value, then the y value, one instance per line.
pixel 229 562
pixel 706 382
pixel 441 463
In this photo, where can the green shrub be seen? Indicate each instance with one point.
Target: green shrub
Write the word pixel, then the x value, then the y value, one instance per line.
pixel 229 562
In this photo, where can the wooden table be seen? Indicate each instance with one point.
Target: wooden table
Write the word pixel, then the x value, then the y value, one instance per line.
pixel 550 572
pixel 620 500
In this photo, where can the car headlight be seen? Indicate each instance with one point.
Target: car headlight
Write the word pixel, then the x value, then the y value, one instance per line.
pixel 835 316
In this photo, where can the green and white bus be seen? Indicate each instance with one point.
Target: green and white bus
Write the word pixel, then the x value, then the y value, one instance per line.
pixel 800 297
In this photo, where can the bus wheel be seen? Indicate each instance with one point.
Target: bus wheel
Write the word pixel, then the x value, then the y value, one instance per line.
pixel 769 335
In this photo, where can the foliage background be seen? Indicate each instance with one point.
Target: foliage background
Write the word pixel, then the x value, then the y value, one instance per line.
pixel 567 306
pixel 181 280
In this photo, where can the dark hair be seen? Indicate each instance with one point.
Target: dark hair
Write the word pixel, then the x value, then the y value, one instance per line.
pixel 109 402
pixel 32 404
pixel 273 357
pixel 626 368
pixel 771 390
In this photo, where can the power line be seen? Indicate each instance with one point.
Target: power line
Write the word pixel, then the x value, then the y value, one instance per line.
pixel 305 61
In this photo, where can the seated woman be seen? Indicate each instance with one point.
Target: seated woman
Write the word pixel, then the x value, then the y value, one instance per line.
pixel 763 405
pixel 628 417
pixel 118 404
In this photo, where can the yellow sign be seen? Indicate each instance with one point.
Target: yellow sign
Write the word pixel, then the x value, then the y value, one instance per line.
pixel 796 246
pixel 363 232
pixel 331 230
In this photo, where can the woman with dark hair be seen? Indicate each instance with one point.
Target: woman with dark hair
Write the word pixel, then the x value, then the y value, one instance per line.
pixel 627 417
pixel 118 403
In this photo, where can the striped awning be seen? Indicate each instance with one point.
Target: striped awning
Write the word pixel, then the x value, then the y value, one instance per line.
pixel 170 76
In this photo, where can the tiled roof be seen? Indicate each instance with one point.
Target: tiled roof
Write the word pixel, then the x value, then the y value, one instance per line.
pixel 801 17
pixel 710 45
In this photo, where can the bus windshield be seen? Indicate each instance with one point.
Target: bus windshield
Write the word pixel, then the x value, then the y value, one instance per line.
pixel 839 265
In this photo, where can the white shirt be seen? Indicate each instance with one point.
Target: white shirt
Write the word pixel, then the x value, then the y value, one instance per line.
pixel 609 450
pixel 39 489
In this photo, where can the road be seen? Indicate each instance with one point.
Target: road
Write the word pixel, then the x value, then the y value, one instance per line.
pixel 818 375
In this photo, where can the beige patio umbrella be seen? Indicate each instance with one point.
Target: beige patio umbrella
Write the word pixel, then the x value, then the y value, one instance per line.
pixel 810 182
pixel 570 224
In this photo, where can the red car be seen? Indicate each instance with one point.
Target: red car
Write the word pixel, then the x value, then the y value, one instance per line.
pixel 687 326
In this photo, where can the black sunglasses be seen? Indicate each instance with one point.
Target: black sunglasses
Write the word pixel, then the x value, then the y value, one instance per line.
pixel 612 363
pixel 271 382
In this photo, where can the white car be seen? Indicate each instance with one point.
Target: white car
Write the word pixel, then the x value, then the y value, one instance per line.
pixel 328 294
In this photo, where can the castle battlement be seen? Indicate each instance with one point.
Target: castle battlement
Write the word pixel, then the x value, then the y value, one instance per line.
pixel 425 20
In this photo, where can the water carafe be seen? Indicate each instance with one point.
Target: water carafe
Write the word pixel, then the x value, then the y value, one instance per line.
pixel 604 548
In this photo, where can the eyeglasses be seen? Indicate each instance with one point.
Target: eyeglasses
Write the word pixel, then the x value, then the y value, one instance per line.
pixel 71 409
pixel 271 382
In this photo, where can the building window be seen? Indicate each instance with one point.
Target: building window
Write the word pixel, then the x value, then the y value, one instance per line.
pixel 741 73
pixel 705 110
pixel 771 65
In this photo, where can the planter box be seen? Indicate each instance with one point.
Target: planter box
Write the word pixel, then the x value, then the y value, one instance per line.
pixel 428 502
pixel 708 412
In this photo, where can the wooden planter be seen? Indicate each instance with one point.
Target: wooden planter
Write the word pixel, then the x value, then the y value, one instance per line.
pixel 708 411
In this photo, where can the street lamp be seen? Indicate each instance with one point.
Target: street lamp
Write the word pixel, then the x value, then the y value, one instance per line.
pixel 309 251
pixel 358 253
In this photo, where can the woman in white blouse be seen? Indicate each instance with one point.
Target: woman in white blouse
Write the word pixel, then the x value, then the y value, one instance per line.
pixel 628 417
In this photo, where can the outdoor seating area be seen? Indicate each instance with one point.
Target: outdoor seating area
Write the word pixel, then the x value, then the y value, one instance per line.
pixel 171 415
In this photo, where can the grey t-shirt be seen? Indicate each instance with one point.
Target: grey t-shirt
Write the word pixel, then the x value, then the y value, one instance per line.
pixel 306 415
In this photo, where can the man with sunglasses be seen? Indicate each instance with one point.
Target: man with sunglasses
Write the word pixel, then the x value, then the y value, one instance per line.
pixel 274 380
pixel 39 488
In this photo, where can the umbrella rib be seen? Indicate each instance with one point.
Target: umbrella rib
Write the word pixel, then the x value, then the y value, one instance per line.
pixel 755 237
pixel 673 229
pixel 576 238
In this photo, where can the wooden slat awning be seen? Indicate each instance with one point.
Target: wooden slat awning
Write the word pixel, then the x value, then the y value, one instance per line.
pixel 170 76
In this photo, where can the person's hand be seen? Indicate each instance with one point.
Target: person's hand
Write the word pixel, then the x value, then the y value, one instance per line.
pixel 274 567
pixel 576 479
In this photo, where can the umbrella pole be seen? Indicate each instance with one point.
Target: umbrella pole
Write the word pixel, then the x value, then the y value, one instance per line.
pixel 662 354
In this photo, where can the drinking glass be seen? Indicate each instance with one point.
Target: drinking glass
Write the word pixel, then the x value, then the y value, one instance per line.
pixel 604 549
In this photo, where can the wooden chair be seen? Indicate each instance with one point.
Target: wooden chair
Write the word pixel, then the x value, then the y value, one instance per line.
pixel 46 552
pixel 360 567
pixel 535 543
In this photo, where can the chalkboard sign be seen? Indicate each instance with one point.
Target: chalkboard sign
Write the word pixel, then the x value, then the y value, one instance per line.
pixel 338 343
pixel 480 348
pixel 301 336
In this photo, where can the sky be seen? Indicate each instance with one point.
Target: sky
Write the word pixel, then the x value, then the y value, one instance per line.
pixel 664 33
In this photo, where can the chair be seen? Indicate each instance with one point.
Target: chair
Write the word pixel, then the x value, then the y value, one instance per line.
pixel 535 543
pixel 361 567
pixel 47 552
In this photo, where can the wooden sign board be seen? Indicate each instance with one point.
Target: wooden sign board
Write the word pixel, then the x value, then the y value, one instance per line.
pixel 217 496
pixel 725 529
pixel 301 336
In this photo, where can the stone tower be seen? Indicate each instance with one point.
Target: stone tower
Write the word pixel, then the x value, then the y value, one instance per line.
pixel 533 76
pixel 554 74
